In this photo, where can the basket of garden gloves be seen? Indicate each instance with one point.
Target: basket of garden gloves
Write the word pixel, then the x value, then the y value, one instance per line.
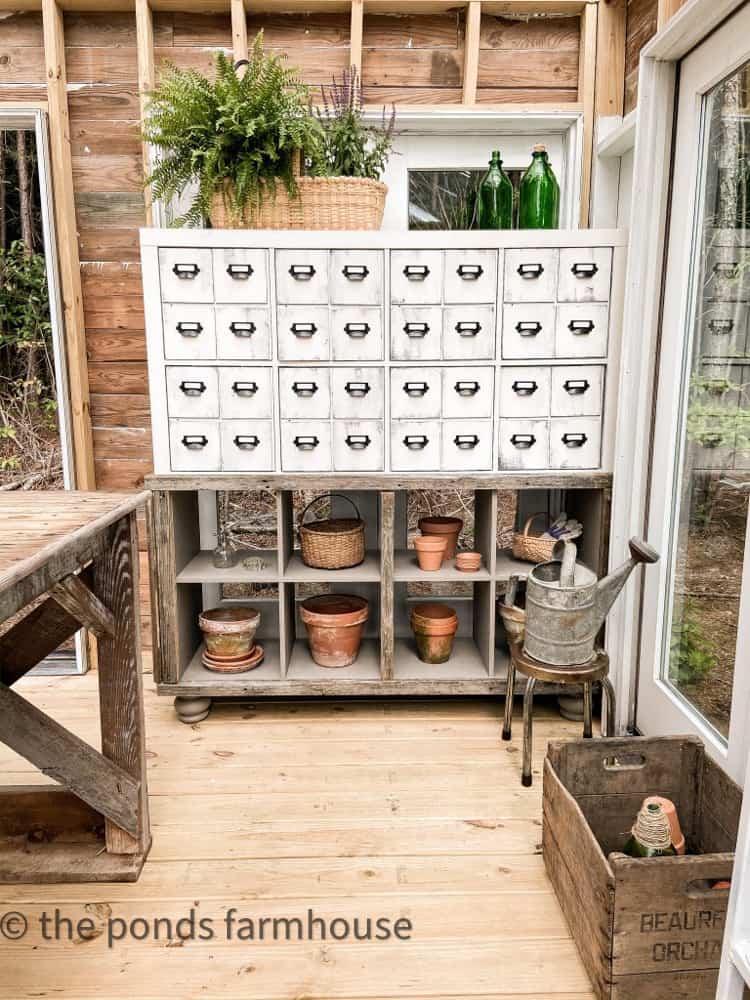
pixel 538 548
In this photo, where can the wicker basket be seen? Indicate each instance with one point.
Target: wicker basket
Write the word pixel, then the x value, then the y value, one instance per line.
pixel 532 548
pixel 336 543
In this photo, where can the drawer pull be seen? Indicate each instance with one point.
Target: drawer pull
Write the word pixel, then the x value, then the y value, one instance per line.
pixel 726 269
pixel 357 442
pixel 193 388
pixel 415 388
pixel 241 329
pixel 466 441
pixel 189 329
pixel 306 442
pixel 470 272
pixel 530 271
pixel 356 330
pixel 416 330
pixel 581 327
pixel 240 272
pixel 466 388
pixel 357 389
pixel 522 388
pixel 416 442
pixel 574 440
pixel 304 330
pixel 468 329
pixel 355 272
pixel 585 270
pixel 576 386
pixel 302 272
pixel 195 441
pixel 244 388
pixel 416 272
pixel 186 272
pixel 721 327
pixel 246 442
pixel 528 328
pixel 522 441
pixel 305 389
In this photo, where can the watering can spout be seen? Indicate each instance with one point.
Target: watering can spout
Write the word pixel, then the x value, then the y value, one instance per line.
pixel 610 586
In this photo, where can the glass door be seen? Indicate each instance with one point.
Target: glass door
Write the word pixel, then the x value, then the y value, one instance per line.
pixel 696 623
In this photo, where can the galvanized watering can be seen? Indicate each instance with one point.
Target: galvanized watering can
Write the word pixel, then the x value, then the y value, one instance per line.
pixel 566 605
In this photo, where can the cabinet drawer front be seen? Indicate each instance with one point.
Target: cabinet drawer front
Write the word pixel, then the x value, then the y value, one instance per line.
pixel 357 277
pixel 302 276
pixel 416 333
pixel 524 444
pixel 467 446
pixel 189 332
pixel 358 446
pixel 469 333
pixel 356 333
pixel 416 276
pixel 725 329
pixel 186 275
pixel 468 392
pixel 528 331
pixel 243 332
pixel 581 330
pixel 306 445
pixel 358 393
pixel 240 275
pixel 194 445
pixel 304 393
pixel 192 392
pixel 530 275
pixel 246 393
pixel 303 333
pixel 471 276
pixel 525 392
pixel 247 446
pixel 575 443
pixel 577 390
pixel 584 275
pixel 415 393
pixel 415 445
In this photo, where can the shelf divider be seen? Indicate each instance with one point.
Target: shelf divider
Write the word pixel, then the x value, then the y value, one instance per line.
pixel 387 525
pixel 285 539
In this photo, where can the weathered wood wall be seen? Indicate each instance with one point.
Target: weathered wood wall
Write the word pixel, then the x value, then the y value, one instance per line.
pixel 641 24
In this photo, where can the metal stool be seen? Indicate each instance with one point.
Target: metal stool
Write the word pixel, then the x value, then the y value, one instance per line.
pixel 597 669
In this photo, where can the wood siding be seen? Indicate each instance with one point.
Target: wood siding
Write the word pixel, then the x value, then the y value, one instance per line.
pixel 642 20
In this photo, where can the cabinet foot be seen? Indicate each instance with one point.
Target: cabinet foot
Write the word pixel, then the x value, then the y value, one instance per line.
pixel 191 710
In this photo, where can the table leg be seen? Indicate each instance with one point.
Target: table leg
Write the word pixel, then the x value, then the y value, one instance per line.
pixel 528 712
pixel 588 729
pixel 508 720
pixel 609 707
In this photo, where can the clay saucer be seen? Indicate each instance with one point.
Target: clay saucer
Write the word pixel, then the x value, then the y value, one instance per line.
pixel 237 667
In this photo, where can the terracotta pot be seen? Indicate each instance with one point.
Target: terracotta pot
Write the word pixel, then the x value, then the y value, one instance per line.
pixel 434 627
pixel 430 551
pixel 514 621
pixel 468 562
pixel 450 527
pixel 229 632
pixel 334 623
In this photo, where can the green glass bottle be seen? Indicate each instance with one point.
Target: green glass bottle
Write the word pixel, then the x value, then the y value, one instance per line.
pixel 651 837
pixel 495 197
pixel 539 200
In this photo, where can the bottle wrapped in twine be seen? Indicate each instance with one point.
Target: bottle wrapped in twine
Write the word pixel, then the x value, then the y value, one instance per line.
pixel 652 829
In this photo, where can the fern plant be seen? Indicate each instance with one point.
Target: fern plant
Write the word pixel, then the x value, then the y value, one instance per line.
pixel 237 134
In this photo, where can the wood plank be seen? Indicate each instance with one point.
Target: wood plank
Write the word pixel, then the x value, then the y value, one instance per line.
pixel 471 51
pixel 40 815
pixel 587 94
pixel 33 638
pixel 102 64
pixel 108 173
pixel 144 23
pixel 108 280
pixel 387 524
pixel 23 28
pixel 539 70
pixel 120 410
pixel 117 344
pixel 116 244
pixel 96 102
pixel 545 33
pixel 418 68
pixel 121 474
pixel 356 32
pixel 123 442
pixel 400 30
pixel 239 30
pixel 72 594
pixel 610 58
pixel 97 139
pixel 128 377
pixel 21 63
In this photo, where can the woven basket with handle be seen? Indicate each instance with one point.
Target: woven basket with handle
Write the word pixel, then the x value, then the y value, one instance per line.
pixel 335 543
pixel 532 548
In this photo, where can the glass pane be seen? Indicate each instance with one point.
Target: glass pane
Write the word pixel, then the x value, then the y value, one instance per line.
pixel 446 199
pixel 707 550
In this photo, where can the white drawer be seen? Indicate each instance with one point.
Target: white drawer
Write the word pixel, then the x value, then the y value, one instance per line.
pixel 243 333
pixel 415 393
pixel 306 445
pixel 528 331
pixel 194 445
pixel 584 275
pixel 467 446
pixel 416 333
pixel 356 333
pixel 725 329
pixel 525 392
pixel 241 276
pixel 469 333
pixel 302 276
pixel 247 445
pixel 357 277
pixel 575 443
pixel 246 393
pixel 186 275
pixel 189 332
pixel 524 444
pixel 358 393
pixel 358 446
pixel 581 330
pixel 468 392
pixel 416 276
pixel 192 392
pixel 303 333
pixel 415 445
pixel 530 275
pixel 577 390
pixel 304 393
pixel 471 276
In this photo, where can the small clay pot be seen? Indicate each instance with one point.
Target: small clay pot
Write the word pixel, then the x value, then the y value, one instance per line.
pixel 334 623
pixel 468 562
pixel 450 527
pixel 434 627
pixel 229 632
pixel 430 551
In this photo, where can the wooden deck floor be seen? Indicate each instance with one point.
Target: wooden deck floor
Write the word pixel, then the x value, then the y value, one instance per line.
pixel 389 809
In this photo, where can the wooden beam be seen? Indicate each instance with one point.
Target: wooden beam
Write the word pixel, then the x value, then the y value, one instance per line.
pixel 72 594
pixel 67 245
pixel 33 638
pixel 239 30
pixel 666 10
pixel 144 31
pixel 587 94
pixel 610 57
pixel 471 51
pixel 356 33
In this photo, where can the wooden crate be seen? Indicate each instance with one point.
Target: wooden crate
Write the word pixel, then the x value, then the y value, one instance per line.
pixel 646 929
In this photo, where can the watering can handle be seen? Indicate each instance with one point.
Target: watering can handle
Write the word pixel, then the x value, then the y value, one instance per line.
pixel 566 553
pixel 642 552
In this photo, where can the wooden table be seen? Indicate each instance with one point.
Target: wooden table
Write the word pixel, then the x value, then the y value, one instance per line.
pixel 70 560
